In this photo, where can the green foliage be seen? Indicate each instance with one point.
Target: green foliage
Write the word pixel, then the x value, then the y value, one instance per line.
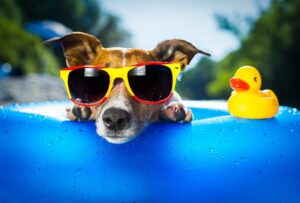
pixel 194 81
pixel 20 48
pixel 23 50
pixel 272 46
pixel 78 15
pixel 10 10
pixel 27 52
pixel 82 15
pixel 237 25
pixel 112 34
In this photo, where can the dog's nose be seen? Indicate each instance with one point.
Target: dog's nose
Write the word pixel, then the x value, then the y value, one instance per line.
pixel 116 119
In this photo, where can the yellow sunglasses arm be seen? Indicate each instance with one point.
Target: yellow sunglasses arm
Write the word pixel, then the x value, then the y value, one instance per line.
pixel 176 69
pixel 64 74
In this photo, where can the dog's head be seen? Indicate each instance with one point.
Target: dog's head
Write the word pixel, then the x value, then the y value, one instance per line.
pixel 120 117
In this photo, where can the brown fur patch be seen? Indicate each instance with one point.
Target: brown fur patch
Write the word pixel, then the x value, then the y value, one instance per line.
pixel 113 57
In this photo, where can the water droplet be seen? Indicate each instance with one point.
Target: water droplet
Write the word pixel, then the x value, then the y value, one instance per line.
pixel 64 130
pixel 160 131
pixel 242 159
pixel 236 130
pixel 294 111
pixel 185 161
pixel 210 150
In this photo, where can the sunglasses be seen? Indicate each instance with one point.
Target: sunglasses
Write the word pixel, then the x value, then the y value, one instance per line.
pixel 149 83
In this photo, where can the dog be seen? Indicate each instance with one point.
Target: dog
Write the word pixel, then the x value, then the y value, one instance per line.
pixel 84 49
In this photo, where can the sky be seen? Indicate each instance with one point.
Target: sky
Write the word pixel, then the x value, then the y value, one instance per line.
pixel 151 22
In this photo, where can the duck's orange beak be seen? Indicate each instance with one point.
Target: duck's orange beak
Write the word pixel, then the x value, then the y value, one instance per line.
pixel 238 84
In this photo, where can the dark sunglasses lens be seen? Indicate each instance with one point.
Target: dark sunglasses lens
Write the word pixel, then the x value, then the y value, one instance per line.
pixel 88 85
pixel 151 82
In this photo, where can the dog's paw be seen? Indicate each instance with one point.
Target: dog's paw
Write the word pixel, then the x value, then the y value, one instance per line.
pixel 79 113
pixel 176 112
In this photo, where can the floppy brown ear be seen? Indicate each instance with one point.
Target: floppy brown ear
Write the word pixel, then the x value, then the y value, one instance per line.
pixel 79 48
pixel 177 51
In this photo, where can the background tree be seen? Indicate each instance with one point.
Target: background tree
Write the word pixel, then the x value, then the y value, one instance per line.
pixel 21 49
pixel 270 43
pixel 194 81
pixel 27 53
pixel 82 15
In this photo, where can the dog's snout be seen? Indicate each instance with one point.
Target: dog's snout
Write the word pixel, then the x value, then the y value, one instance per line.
pixel 116 119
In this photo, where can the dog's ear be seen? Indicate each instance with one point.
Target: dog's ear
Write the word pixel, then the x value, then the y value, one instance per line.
pixel 177 51
pixel 79 48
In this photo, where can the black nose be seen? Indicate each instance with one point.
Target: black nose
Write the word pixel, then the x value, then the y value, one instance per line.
pixel 116 119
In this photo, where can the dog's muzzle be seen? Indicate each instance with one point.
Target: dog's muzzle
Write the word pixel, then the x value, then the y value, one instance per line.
pixel 116 119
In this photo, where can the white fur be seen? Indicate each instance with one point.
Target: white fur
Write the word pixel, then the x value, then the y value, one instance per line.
pixel 123 50
pixel 120 102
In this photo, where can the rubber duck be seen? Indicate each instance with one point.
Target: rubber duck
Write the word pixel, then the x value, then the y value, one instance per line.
pixel 247 100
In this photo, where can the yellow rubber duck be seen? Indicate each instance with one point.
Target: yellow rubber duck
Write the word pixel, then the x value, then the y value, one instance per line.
pixel 247 100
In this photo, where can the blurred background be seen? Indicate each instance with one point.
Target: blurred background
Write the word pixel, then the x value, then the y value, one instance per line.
pixel 261 33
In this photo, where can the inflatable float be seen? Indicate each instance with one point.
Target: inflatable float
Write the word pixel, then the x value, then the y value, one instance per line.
pixel 217 158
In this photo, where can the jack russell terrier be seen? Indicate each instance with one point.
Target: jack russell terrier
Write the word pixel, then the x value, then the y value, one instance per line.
pixel 124 89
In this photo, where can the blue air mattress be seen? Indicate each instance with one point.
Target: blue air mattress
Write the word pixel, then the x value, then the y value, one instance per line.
pixel 217 158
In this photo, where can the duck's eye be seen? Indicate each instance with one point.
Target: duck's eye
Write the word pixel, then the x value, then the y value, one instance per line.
pixel 255 79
